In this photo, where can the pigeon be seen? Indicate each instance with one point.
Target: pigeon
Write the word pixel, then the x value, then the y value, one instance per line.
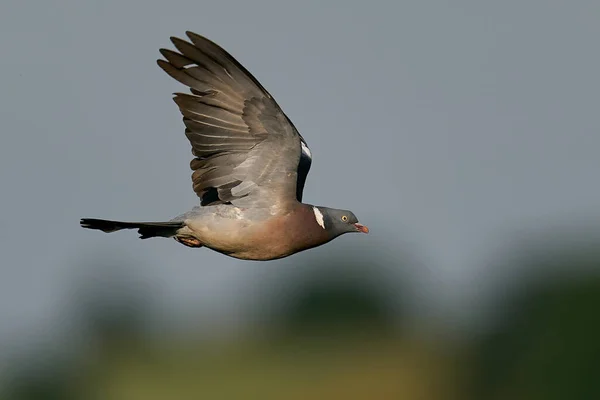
pixel 249 168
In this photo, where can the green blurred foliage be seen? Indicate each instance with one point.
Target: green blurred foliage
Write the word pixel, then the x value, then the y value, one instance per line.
pixel 548 346
pixel 338 307
pixel 339 339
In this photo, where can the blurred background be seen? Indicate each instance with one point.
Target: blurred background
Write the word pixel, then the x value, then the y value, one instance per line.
pixel 464 134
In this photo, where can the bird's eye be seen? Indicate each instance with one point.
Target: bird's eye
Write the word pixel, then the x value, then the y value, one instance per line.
pixel 344 218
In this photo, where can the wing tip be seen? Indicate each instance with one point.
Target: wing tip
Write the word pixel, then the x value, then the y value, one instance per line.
pixel 164 52
pixel 175 40
pixel 194 36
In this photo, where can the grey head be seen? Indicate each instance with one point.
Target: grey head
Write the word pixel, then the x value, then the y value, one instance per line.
pixel 337 222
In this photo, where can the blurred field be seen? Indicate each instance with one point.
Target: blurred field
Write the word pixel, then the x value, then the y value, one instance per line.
pixel 290 369
pixel 334 340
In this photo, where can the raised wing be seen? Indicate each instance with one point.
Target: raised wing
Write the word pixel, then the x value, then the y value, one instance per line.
pixel 247 151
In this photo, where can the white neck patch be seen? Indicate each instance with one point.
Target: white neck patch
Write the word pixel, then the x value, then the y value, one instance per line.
pixel 319 217
pixel 306 150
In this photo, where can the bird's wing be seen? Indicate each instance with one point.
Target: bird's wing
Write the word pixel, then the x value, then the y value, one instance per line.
pixel 247 151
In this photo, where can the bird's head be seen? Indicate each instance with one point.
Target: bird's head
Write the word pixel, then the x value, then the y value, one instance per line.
pixel 338 222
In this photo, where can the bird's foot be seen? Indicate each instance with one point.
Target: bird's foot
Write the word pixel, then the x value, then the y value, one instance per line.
pixel 188 241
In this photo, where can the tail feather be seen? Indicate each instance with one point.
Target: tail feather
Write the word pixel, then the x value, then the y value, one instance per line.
pixel 145 229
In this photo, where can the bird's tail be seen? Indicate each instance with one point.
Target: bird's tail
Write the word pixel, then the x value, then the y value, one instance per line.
pixel 145 229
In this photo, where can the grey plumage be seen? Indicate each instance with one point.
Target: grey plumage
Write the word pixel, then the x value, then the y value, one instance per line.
pixel 249 167
pixel 245 146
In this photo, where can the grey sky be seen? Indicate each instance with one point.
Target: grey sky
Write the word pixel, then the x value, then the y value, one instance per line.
pixel 442 125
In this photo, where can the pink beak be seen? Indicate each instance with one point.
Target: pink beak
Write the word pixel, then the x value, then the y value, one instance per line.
pixel 361 228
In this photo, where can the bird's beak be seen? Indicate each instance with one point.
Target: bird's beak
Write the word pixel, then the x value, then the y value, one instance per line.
pixel 361 228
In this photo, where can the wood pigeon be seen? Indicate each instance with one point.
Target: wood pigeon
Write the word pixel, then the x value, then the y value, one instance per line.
pixel 249 168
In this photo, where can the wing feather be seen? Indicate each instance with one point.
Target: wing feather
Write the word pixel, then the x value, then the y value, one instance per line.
pixel 247 151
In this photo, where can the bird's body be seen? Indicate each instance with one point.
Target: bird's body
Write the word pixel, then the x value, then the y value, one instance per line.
pixel 271 234
pixel 250 165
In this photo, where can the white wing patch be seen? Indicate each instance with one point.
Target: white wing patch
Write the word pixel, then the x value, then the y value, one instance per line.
pixel 319 217
pixel 306 150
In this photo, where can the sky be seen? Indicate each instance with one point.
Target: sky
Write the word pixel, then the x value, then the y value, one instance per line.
pixel 446 127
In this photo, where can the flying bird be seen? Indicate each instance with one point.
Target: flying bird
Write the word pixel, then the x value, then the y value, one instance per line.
pixel 249 167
